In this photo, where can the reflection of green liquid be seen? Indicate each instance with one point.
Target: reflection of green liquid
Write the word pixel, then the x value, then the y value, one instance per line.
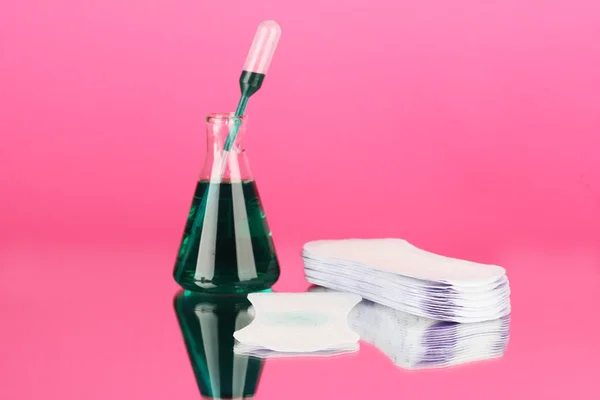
pixel 240 219
pixel 207 324
pixel 295 319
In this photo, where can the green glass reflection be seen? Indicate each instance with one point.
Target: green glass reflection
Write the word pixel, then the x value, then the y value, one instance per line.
pixel 207 324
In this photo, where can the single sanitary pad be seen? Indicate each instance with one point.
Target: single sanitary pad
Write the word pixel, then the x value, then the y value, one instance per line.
pixel 394 273
pixel 298 324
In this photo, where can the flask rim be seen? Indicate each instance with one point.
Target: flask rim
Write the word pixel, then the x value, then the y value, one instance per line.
pixel 223 116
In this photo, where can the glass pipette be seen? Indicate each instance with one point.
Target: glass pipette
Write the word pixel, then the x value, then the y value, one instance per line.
pixel 253 73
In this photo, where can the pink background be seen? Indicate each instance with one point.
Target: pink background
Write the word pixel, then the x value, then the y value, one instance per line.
pixel 469 127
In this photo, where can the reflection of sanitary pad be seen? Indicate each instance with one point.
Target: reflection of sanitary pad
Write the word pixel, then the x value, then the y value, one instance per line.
pixel 413 342
pixel 298 323
pixel 397 274
pixel 260 352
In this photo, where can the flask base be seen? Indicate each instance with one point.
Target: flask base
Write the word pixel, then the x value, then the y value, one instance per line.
pixel 240 256
pixel 262 282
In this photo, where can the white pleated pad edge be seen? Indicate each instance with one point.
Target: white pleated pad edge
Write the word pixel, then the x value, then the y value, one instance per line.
pixel 340 267
pixel 455 316
pixel 299 322
pixel 400 257
pixel 477 299
pixel 366 289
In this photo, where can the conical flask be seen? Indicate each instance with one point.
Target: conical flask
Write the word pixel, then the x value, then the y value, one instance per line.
pixel 227 245
pixel 207 324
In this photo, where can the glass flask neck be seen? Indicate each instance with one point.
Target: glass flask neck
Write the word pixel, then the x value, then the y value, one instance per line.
pixel 221 165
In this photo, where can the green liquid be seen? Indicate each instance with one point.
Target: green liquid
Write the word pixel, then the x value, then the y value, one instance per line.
pixel 258 270
pixel 207 324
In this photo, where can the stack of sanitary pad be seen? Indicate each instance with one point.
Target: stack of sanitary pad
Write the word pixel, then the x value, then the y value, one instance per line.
pixel 394 273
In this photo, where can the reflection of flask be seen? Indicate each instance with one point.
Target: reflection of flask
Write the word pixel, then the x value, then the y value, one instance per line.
pixel 207 324
pixel 226 245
